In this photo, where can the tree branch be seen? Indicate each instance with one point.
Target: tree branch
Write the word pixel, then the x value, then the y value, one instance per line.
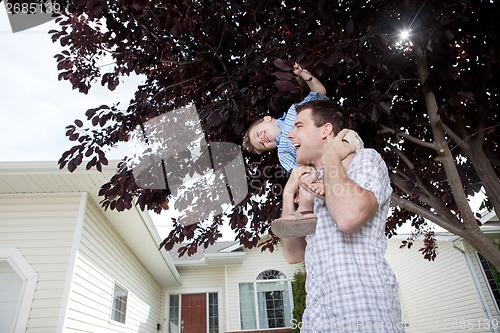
pixel 424 212
pixel 397 81
pixel 413 139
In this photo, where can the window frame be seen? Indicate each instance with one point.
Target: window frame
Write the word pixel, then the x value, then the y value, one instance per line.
pixel 481 260
pixel 113 303
pixel 255 297
pixel 20 265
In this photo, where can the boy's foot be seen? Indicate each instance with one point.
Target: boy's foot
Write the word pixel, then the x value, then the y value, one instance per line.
pixel 309 179
pixel 298 224
pixel 353 138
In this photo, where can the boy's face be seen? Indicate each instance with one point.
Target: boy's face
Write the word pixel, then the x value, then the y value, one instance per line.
pixel 263 135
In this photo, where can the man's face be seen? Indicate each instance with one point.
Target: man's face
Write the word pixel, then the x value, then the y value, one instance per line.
pixel 308 139
pixel 263 135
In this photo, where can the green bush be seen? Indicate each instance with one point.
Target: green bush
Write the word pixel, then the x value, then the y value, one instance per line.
pixel 299 297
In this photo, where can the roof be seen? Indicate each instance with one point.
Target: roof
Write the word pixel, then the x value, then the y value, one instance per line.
pixel 133 225
pixel 216 255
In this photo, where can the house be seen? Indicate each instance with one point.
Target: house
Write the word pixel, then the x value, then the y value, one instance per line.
pixel 454 293
pixel 68 265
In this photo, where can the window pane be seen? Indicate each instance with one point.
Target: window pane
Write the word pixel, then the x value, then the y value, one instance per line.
pixel 247 306
pixel 488 271
pixel 213 313
pixel 271 274
pixel 274 304
pixel 173 314
pixel 119 304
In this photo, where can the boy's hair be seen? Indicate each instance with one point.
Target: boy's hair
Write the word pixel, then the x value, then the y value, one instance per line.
pixel 247 144
pixel 327 111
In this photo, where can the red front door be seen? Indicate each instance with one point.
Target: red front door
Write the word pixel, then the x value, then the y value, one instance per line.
pixel 194 313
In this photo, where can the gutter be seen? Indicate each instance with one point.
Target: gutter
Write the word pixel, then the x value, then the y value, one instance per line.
pixel 153 232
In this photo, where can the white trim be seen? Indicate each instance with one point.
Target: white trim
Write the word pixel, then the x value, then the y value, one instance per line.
pixel 231 248
pixel 75 246
pixel 226 292
pixel 30 278
pixel 488 216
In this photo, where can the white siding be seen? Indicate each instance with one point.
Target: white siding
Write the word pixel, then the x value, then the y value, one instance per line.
pixel 437 296
pixel 103 258
pixel 41 226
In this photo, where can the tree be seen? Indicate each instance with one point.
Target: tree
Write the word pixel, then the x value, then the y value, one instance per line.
pixel 299 298
pixel 428 102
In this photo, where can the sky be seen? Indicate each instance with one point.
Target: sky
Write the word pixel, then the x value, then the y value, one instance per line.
pixel 35 107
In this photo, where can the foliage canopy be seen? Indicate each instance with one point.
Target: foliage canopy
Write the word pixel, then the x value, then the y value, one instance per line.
pixel 428 102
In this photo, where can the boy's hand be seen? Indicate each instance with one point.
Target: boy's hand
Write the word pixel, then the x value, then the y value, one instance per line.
pixel 297 69
pixel 336 149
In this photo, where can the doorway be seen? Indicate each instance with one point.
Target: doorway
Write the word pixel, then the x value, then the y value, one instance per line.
pixel 194 313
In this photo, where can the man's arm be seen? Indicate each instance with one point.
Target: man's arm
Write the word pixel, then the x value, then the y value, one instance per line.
pixel 313 83
pixel 349 205
pixel 293 248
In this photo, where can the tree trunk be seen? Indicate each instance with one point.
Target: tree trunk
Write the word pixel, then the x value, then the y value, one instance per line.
pixel 469 228
pixel 486 173
pixel 483 245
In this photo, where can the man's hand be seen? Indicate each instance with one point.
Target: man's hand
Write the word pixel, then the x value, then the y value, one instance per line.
pixel 336 149
pixel 292 185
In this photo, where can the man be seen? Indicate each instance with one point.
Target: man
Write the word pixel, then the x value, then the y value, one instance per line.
pixel 350 286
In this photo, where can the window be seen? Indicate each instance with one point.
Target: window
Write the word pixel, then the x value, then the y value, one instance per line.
pixel 266 303
pixel 489 274
pixel 213 313
pixel 18 281
pixel 119 309
pixel 173 314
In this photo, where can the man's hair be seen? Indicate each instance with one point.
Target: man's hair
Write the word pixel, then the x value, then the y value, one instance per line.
pixel 247 144
pixel 327 111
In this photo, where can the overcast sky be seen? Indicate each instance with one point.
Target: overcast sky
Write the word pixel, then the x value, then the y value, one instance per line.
pixel 35 107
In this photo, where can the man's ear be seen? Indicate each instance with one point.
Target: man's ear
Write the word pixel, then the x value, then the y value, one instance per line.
pixel 327 130
pixel 267 118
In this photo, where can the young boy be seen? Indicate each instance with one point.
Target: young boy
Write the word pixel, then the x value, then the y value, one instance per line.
pixel 269 133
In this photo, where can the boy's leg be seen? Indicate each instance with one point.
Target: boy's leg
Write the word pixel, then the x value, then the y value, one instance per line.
pixel 306 200
pixel 299 224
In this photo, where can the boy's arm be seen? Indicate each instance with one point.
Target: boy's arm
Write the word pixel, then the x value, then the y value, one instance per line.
pixel 313 83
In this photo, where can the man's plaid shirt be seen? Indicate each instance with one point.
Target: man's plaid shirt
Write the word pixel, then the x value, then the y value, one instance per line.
pixel 350 286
